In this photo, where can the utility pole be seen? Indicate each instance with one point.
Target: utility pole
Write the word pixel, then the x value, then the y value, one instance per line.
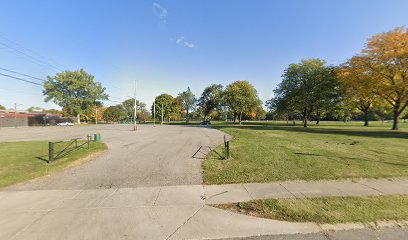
pixel 134 117
pixel 15 115
pixel 161 123
pixel 154 113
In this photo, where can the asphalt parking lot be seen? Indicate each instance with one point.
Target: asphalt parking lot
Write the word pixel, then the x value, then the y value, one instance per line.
pixel 153 156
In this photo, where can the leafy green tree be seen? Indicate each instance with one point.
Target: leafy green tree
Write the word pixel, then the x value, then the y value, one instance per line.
pixel 188 100
pixel 211 99
pixel 76 92
pixel 307 87
pixel 52 111
pixel 2 107
pixel 114 113
pixel 241 97
pixel 142 114
pixel 35 109
pixel 167 104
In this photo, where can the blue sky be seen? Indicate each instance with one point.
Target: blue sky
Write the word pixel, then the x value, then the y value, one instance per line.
pixel 168 45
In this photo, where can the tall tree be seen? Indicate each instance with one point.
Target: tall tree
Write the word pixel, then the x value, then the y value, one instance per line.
pixel 211 99
pixel 188 100
pixel 76 92
pixel 166 104
pixel 355 84
pixel 241 97
pixel 307 87
pixel 2 107
pixel 114 113
pixel 385 60
pixel 96 115
pixel 142 113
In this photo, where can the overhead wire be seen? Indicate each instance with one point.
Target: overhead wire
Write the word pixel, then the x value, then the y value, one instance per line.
pixel 20 79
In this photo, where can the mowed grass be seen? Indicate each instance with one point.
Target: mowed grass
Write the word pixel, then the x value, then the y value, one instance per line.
pixel 22 161
pixel 275 151
pixel 326 209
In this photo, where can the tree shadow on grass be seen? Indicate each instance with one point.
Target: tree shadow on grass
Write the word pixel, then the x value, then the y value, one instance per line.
pixel 328 157
pixel 336 131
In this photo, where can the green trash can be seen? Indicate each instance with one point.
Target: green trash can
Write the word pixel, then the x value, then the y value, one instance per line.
pixel 97 137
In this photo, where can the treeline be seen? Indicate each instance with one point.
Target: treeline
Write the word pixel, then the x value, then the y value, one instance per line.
pixel 236 101
pixel 371 83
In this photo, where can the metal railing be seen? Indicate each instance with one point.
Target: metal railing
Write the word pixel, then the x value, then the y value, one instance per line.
pixel 61 149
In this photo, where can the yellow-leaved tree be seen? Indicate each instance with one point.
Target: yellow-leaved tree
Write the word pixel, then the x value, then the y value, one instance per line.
pixel 356 86
pixel 383 64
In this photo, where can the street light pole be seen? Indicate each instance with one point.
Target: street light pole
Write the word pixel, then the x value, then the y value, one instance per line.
pixel 135 111
pixel 162 115
pixel 15 115
pixel 154 113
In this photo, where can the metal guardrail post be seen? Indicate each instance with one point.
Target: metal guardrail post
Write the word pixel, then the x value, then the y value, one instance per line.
pixel 228 150
pixel 88 138
pixel 50 152
pixel 226 147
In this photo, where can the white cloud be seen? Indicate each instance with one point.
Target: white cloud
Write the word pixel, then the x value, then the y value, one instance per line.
pixel 182 42
pixel 160 11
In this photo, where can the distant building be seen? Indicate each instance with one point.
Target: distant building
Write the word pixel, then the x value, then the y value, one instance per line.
pixel 11 118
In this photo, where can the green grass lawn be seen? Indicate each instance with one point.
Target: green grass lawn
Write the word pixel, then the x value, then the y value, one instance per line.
pixel 275 151
pixel 326 209
pixel 22 161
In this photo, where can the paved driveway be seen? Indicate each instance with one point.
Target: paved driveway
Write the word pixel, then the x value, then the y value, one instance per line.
pixel 152 156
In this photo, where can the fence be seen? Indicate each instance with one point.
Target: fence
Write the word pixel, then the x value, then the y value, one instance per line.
pixel 61 149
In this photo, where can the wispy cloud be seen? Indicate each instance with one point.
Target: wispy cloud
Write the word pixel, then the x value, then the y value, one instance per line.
pixel 182 42
pixel 160 11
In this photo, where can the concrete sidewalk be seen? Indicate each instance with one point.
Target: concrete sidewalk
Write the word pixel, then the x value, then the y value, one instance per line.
pixel 168 212
pixel 231 193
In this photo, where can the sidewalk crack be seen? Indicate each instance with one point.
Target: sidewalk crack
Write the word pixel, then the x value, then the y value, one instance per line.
pixel 381 192
pixel 157 196
pixel 43 215
pixel 289 191
pixel 110 195
pixel 188 219
pixel 252 198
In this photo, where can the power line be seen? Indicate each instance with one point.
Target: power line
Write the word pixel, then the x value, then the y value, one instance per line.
pixel 20 79
pixel 32 58
pixel 32 51
pixel 23 74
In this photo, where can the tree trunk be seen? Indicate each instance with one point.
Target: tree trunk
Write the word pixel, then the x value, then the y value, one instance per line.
pixel 78 119
pixel 366 117
pixel 305 122
pixel 187 118
pixel 240 118
pixel 318 118
pixel 395 118
pixel 305 118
